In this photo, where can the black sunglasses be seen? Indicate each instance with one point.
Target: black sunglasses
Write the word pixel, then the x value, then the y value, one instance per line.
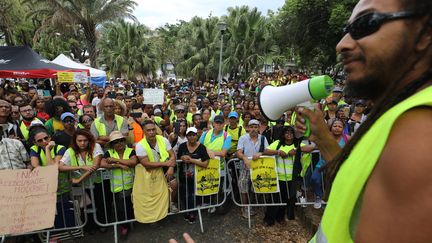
pixel 370 23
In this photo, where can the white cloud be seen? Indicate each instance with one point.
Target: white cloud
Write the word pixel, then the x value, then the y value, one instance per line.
pixel 156 13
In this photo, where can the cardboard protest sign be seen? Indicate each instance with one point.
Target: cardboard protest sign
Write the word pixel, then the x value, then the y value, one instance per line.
pixel 153 96
pixel 27 199
pixel 75 77
pixel 263 173
pixel 207 180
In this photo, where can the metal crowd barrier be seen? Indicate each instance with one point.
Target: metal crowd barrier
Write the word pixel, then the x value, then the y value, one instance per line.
pixel 115 209
pixel 70 218
pixel 294 192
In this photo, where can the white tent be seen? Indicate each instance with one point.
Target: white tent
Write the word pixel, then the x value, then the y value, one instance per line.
pixel 97 76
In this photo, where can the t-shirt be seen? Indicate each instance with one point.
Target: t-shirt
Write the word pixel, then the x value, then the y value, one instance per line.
pixel 199 153
pixel 96 152
pixel 140 151
pixel 34 154
pixel 249 147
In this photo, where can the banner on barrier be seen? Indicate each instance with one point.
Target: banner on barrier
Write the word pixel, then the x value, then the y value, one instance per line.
pixel 207 180
pixel 263 173
pixel 27 199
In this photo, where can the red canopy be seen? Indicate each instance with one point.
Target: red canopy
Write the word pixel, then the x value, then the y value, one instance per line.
pixel 23 62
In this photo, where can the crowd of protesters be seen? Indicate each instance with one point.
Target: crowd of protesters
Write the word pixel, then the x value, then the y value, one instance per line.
pixel 84 127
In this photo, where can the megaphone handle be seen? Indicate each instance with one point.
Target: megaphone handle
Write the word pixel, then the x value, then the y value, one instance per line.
pixel 308 130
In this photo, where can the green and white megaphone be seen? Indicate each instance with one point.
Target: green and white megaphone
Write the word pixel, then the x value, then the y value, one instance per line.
pixel 274 101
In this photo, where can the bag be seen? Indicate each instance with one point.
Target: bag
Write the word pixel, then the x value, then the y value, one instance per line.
pixel 150 195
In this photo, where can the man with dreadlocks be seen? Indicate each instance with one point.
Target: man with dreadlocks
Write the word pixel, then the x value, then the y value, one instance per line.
pixel 380 182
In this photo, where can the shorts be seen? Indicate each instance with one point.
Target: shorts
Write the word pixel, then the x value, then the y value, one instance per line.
pixel 244 181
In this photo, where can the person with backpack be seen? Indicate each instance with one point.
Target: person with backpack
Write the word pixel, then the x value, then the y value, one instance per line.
pixel 250 147
pixel 337 128
pixel 284 150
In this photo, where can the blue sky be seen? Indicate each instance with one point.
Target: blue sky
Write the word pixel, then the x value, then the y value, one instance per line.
pixel 156 13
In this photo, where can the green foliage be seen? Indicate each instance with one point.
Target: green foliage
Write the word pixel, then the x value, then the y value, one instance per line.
pixel 127 50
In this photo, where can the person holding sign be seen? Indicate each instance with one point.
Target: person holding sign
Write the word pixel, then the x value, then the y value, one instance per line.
pixel 250 146
pixel 192 154
pixel 284 150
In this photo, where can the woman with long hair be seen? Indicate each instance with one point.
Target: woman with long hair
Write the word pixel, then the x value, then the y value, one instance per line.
pixel 337 128
pixel 284 150
pixel 84 158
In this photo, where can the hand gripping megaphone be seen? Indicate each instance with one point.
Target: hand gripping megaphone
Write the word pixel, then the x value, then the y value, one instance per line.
pixel 274 101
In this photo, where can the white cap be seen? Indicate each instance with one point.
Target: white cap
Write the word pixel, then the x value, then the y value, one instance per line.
pixel 191 129
pixel 36 122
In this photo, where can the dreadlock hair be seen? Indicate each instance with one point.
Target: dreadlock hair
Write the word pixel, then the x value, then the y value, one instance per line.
pixel 50 106
pixel 391 97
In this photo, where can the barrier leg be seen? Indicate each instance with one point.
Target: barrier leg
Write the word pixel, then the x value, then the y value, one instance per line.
pixel 115 234
pixel 48 236
pixel 3 238
pixel 200 219
pixel 249 216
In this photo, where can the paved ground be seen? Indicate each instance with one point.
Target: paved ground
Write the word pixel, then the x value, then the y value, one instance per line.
pixel 217 228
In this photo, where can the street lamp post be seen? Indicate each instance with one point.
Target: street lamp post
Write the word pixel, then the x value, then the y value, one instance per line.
pixel 222 28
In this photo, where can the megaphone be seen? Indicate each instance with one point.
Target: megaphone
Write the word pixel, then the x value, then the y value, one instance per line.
pixel 274 101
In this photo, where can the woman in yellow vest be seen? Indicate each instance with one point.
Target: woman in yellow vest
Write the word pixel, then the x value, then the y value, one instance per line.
pixel 45 152
pixel 83 158
pixel 121 160
pixel 284 150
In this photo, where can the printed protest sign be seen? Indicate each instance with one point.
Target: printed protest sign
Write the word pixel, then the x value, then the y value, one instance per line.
pixel 153 96
pixel 207 180
pixel 27 199
pixel 75 77
pixel 264 175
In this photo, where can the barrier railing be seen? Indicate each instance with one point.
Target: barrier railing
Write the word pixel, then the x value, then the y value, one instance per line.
pixel 69 221
pixel 114 209
pixel 291 192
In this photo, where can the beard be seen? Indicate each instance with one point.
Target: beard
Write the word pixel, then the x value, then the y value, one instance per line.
pixel 366 88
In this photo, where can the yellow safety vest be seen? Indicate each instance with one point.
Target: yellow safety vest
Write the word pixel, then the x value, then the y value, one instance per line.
pixel 25 130
pixel 101 128
pixel 163 153
pixel 217 143
pixel 88 162
pixel 340 217
pixel 122 179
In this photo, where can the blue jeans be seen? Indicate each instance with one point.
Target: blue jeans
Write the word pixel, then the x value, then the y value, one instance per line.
pixel 316 182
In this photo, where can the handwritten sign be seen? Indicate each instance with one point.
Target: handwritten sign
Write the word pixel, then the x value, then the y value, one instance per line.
pixel 27 199
pixel 207 180
pixel 264 176
pixel 153 96
pixel 75 77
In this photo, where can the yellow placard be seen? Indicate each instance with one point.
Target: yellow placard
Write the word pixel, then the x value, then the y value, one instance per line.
pixel 207 180
pixel 264 175
pixel 65 76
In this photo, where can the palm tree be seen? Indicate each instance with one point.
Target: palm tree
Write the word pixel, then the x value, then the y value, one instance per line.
pixel 127 49
pixel 89 14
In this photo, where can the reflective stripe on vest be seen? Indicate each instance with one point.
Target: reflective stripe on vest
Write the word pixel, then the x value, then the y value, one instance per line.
pixel 122 179
pixel 285 166
pixel 88 162
pixel 338 223
pixel 163 153
pixel 101 128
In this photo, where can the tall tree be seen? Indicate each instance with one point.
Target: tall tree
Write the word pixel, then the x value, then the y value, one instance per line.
pixel 89 14
pixel 127 50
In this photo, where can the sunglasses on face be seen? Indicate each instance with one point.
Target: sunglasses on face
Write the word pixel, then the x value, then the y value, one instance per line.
pixel 180 111
pixel 117 141
pixel 370 23
pixel 69 121
pixel 42 139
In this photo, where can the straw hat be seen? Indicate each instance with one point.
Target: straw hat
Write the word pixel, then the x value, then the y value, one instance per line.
pixel 115 135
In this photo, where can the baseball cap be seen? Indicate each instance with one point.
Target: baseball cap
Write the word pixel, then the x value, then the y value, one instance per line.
pixel 179 107
pixel 360 102
pixel 157 111
pixel 219 119
pixel 253 122
pixel 66 114
pixel 233 114
pixel 191 129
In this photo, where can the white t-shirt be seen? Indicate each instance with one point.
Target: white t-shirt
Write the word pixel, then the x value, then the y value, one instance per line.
pixel 140 151
pixel 67 160
pixel 95 102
